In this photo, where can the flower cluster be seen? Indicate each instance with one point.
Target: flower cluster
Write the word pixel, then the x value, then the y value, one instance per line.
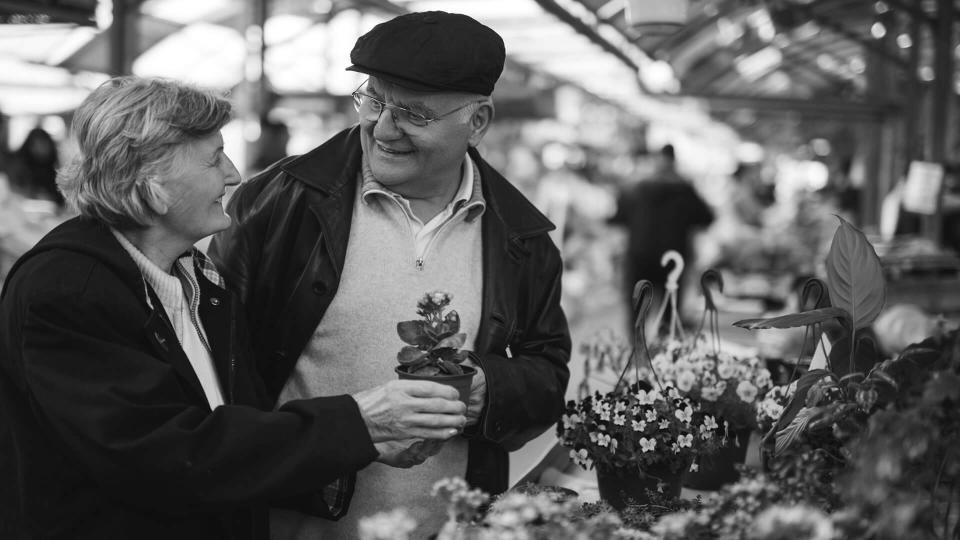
pixel 637 425
pixel 463 503
pixel 770 407
pixel 393 525
pixel 756 506
pixel 726 386
pixel 433 343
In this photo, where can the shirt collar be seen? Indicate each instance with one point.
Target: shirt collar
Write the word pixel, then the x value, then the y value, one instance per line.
pixel 167 286
pixel 469 195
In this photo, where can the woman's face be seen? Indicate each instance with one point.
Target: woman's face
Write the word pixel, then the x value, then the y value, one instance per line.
pixel 195 186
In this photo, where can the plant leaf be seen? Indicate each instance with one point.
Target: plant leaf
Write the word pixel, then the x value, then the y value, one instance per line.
pixel 855 275
pixel 453 342
pixel 864 357
pixel 449 368
pixel 414 333
pixel 788 435
pixel 793 320
pixel 452 320
pixel 799 399
pixel 410 355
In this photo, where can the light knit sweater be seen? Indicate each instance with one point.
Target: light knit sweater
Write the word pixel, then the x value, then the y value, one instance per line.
pixel 355 345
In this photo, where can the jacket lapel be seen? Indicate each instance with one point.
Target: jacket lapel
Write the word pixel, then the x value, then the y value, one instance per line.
pixel 160 334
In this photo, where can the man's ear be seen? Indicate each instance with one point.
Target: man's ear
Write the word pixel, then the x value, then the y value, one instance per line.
pixel 480 122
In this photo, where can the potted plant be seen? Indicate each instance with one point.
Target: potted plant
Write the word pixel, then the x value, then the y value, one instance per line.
pixel 433 345
pixel 830 404
pixel 725 387
pixel 638 438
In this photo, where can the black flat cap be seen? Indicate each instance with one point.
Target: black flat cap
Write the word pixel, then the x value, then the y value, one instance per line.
pixel 432 51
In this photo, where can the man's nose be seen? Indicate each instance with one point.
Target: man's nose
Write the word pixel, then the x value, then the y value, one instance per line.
pixel 386 123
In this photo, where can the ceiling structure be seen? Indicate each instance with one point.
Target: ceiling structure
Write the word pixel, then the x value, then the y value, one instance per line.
pixel 739 57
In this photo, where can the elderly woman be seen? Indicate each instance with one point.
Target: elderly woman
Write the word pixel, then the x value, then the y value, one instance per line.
pixel 128 406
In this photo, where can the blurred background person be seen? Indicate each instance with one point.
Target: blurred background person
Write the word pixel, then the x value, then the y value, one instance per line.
pixel 32 170
pixel 660 213
pixel 272 145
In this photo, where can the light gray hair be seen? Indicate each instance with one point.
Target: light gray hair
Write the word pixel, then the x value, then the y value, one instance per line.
pixel 127 132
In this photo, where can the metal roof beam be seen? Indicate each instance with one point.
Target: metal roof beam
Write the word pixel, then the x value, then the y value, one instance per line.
pixel 842 30
pixel 550 6
pixel 821 107
pixel 913 11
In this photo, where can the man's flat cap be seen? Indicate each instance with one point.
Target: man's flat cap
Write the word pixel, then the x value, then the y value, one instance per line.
pixel 432 51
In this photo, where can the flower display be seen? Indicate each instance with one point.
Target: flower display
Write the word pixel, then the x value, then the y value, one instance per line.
pixel 433 343
pixel 770 407
pixel 637 426
pixel 725 386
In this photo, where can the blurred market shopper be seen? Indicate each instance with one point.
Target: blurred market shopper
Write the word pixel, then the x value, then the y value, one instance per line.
pixel 33 168
pixel 128 409
pixel 660 213
pixel 330 250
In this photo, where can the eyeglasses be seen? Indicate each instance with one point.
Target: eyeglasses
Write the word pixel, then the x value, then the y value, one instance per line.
pixel 370 106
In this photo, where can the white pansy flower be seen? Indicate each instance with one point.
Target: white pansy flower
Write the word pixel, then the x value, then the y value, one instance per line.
pixel 647 445
pixel 747 391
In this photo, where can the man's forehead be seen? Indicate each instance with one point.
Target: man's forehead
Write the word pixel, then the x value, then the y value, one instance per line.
pixel 395 91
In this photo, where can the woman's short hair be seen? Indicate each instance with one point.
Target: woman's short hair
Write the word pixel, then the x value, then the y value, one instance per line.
pixel 127 133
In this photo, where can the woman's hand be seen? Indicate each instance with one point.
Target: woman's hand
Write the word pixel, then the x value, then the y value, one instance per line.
pixel 404 409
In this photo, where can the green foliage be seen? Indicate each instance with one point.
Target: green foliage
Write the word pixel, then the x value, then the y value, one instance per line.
pixel 433 343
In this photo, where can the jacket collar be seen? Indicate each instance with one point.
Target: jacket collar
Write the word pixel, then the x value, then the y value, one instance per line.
pixel 505 203
pixel 92 238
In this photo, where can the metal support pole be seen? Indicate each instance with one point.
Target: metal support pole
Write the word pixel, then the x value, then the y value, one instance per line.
pixel 124 36
pixel 940 109
pixel 251 94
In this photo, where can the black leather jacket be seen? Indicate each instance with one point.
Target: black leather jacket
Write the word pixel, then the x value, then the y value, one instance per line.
pixel 285 251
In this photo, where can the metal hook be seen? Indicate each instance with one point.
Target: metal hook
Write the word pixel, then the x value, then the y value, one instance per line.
pixel 813 286
pixel 710 275
pixel 673 278
pixel 642 299
pixel 710 307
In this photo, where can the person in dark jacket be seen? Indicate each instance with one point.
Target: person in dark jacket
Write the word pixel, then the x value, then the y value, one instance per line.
pixel 129 406
pixel 331 249
pixel 660 213
pixel 33 168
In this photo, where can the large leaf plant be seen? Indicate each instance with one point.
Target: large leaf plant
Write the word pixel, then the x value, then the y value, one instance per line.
pixel 832 405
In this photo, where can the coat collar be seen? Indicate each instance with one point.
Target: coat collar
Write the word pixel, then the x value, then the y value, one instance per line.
pixel 90 237
pixel 505 203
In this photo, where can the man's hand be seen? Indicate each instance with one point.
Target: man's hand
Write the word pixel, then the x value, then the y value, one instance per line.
pixel 400 410
pixel 478 394
pixel 403 454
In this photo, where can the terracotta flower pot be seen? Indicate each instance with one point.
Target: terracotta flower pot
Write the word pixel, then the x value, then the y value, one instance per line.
pixel 618 486
pixel 717 469
pixel 461 382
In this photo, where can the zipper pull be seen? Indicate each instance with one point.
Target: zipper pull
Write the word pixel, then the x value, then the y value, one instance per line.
pixel 420 263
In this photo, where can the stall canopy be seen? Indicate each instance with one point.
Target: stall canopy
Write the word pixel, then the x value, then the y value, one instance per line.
pixel 765 54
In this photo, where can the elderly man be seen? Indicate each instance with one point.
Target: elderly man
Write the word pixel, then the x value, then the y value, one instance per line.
pixel 332 248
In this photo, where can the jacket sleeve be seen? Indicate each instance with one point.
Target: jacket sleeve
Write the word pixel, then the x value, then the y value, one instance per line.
pixel 525 393
pixel 122 414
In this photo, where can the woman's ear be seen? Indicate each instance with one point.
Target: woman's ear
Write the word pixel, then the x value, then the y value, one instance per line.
pixel 480 122
pixel 154 195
